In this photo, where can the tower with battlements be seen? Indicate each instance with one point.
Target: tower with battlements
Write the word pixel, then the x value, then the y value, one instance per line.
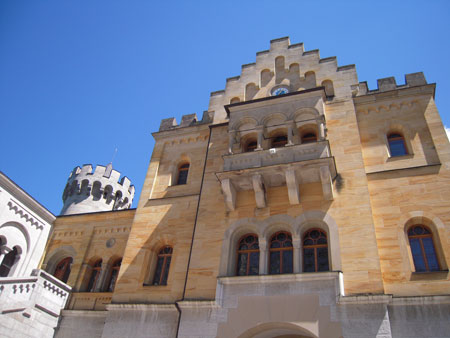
pixel 101 190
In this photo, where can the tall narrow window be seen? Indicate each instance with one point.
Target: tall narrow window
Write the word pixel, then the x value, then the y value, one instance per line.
pixel 95 273
pixel 397 145
pixel 113 275
pixel 315 251
pixel 183 174
pixel 422 249
pixel 8 262
pixel 279 141
pixel 281 253
pixel 248 256
pixel 162 266
pixel 62 270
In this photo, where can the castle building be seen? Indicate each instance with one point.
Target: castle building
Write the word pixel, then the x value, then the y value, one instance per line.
pixel 301 204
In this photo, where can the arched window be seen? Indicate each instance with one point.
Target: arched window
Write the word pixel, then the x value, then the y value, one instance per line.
pixel 279 141
pixel 62 270
pixel 162 266
pixel 309 137
pixel 248 256
pixel 397 145
pixel 315 251
pixel 8 262
pixel 281 253
pixel 423 249
pixel 95 273
pixel 113 275
pixel 183 171
pixel 250 145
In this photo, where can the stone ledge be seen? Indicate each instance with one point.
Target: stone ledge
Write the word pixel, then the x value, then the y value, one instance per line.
pixel 295 277
pixel 148 307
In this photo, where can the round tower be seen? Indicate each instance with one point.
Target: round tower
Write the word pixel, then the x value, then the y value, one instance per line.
pixel 101 190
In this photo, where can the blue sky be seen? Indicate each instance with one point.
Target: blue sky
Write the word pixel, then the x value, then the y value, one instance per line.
pixel 81 78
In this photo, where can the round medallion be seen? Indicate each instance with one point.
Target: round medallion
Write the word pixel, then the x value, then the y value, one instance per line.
pixel 110 242
pixel 280 91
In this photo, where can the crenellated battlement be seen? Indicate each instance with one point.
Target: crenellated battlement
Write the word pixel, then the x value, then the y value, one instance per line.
pixel 186 121
pixel 284 65
pixel 102 189
pixel 389 83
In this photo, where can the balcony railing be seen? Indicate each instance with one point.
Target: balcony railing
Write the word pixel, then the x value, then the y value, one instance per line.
pixel 274 156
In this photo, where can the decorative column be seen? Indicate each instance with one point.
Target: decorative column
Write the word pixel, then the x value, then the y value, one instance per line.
pixel 263 256
pixel 297 255
pixel 101 279
pixel 260 132
pixel 290 134
pixel 322 131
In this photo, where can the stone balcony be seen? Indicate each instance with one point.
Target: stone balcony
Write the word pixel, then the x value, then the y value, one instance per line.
pixel 32 304
pixel 283 155
pixel 290 165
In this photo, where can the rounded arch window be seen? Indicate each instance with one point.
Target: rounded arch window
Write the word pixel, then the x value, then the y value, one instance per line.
pixel 397 145
pixel 183 172
pixel 114 273
pixel 281 253
pixel 62 270
pixel 315 251
pixel 279 141
pixel 95 274
pixel 9 260
pixel 162 266
pixel 422 248
pixel 309 136
pixel 248 256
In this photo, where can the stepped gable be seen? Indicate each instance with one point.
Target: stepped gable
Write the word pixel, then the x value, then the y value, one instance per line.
pixel 284 64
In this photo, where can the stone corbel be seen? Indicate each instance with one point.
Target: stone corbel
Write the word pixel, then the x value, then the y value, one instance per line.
pixel 260 191
pixel 292 185
pixel 229 193
pixel 327 186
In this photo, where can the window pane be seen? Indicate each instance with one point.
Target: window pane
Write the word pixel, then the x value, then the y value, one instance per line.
pixel 308 260
pixel 322 259
pixel 182 177
pixel 112 283
pixel 242 265
pixel 274 262
pixel 287 262
pixel 417 254
pixel 430 254
pixel 254 263
pixel 397 147
pixel 92 280
pixel 159 266
pixel 166 271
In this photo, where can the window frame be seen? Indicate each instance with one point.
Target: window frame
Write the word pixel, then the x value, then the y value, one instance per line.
pixel 66 263
pixel 183 168
pixel 280 249
pixel 97 269
pixel 162 281
pixel 115 268
pixel 422 248
pixel 315 247
pixel 248 252
pixel 393 137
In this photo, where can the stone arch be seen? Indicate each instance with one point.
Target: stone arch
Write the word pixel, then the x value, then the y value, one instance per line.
pixel 437 227
pixel 277 329
pixel 305 114
pixel 319 219
pixel 16 234
pixel 183 159
pixel 274 119
pixel 84 187
pixel 56 256
pixel 310 80
pixel 329 88
pixel 151 255
pixel 244 124
pixel 398 128
pixel 235 100
pixel 239 228
pixel 97 190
